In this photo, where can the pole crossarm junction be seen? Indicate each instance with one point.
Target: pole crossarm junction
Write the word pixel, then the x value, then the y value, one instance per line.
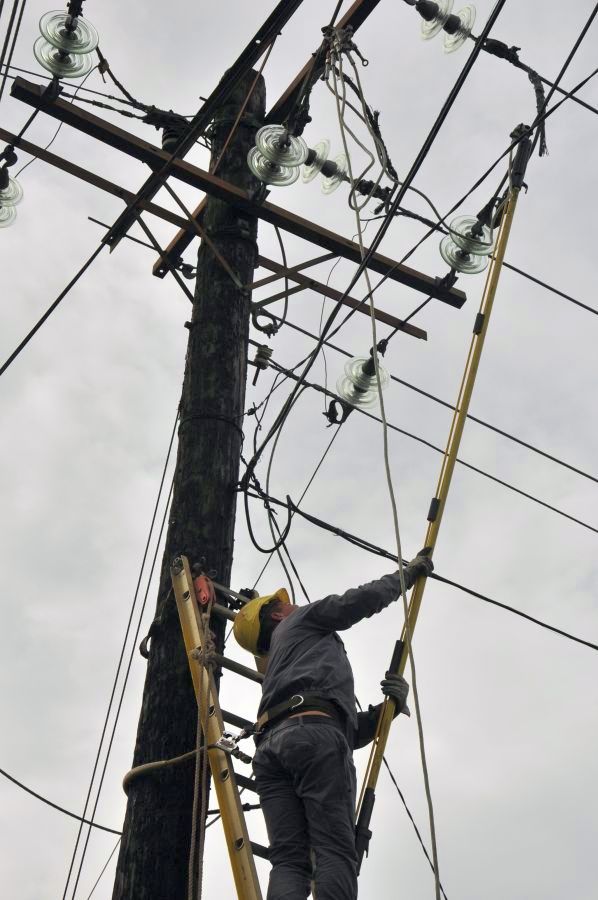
pixel 304 282
pixel 223 775
pixel 223 190
pixel 355 16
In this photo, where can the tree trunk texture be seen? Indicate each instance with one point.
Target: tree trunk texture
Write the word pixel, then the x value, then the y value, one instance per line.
pixel 154 852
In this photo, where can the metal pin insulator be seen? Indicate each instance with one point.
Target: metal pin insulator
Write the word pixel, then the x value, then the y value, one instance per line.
pixel 263 354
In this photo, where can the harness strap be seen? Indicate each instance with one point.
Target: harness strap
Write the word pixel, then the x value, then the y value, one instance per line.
pixel 299 702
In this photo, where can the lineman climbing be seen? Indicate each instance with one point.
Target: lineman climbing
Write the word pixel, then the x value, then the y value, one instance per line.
pixel 308 728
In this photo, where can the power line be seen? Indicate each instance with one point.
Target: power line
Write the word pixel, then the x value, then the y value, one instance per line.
pixel 279 421
pixel 7 40
pixel 107 863
pixel 369 547
pixel 55 805
pixel 472 190
pixel 121 657
pixel 432 446
pixel 50 310
pixel 447 405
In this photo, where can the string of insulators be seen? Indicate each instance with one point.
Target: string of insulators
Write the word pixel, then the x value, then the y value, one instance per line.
pixel 438 16
pixel 65 45
pixel 277 155
pixel 359 385
pixel 11 193
pixel 468 245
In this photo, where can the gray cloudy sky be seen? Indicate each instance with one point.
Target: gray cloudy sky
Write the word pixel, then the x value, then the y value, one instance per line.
pixel 509 710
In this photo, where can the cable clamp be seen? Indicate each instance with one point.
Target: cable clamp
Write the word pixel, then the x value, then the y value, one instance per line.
pixel 479 323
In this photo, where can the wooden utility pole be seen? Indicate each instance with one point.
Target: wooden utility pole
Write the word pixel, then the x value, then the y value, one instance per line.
pixel 154 853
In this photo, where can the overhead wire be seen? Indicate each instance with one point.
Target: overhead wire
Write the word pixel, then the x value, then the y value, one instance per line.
pixel 56 806
pixel 107 863
pixel 9 34
pixel 53 306
pixel 462 462
pixel 121 660
pixel 389 480
pixel 57 132
pixel 396 202
pixel 541 118
pixel 62 81
pixel 482 422
pixel 376 550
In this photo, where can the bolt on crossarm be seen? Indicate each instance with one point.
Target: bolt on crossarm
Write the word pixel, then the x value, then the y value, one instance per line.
pixel 367 797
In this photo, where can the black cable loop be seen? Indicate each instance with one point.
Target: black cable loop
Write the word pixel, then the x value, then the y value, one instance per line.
pixel 278 544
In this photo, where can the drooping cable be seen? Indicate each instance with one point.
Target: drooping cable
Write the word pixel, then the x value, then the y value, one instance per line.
pixel 391 492
pixel 61 809
pixel 396 203
pixel 545 115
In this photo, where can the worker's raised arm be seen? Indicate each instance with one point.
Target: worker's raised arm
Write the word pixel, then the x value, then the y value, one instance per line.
pixel 340 611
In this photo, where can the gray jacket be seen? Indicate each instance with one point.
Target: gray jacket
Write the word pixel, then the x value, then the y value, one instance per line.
pixel 307 656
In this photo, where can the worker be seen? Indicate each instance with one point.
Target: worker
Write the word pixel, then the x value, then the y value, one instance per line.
pixel 308 727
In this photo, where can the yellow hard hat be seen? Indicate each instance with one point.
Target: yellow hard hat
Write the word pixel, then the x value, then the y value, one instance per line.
pixel 247 621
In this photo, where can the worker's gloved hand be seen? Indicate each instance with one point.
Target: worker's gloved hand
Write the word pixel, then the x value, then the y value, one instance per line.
pixel 421 564
pixel 396 687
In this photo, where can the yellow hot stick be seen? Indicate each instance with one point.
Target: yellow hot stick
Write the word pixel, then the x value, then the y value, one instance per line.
pixel 444 481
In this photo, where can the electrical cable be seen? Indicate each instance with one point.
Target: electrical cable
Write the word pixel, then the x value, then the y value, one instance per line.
pixel 57 132
pixel 122 655
pixel 103 870
pixel 416 829
pixel 50 310
pixel 7 40
pixel 340 101
pixel 374 549
pixel 125 682
pixel 462 462
pixel 447 405
pixel 56 806
pixel 396 203
pixel 472 190
pixel 62 81
pixel 564 68
pixel 305 490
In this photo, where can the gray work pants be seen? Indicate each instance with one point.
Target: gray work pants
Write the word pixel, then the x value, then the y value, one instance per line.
pixel 305 778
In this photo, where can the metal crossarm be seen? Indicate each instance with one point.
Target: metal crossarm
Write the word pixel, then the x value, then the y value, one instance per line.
pixel 223 775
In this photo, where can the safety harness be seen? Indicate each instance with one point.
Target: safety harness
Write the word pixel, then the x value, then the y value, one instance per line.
pixel 297 703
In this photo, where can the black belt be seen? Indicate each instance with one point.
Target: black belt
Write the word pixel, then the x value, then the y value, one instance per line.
pixel 298 703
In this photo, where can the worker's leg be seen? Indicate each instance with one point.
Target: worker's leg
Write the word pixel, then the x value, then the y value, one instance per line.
pixel 325 781
pixel 285 821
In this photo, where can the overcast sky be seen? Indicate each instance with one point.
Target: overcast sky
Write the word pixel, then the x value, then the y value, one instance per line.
pixel 509 709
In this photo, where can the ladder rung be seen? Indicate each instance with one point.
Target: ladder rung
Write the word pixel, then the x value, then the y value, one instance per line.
pixel 260 850
pixel 227 663
pixel 233 719
pixel 224 612
pixel 244 782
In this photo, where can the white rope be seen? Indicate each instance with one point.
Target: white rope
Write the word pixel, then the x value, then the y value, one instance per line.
pixel 392 497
